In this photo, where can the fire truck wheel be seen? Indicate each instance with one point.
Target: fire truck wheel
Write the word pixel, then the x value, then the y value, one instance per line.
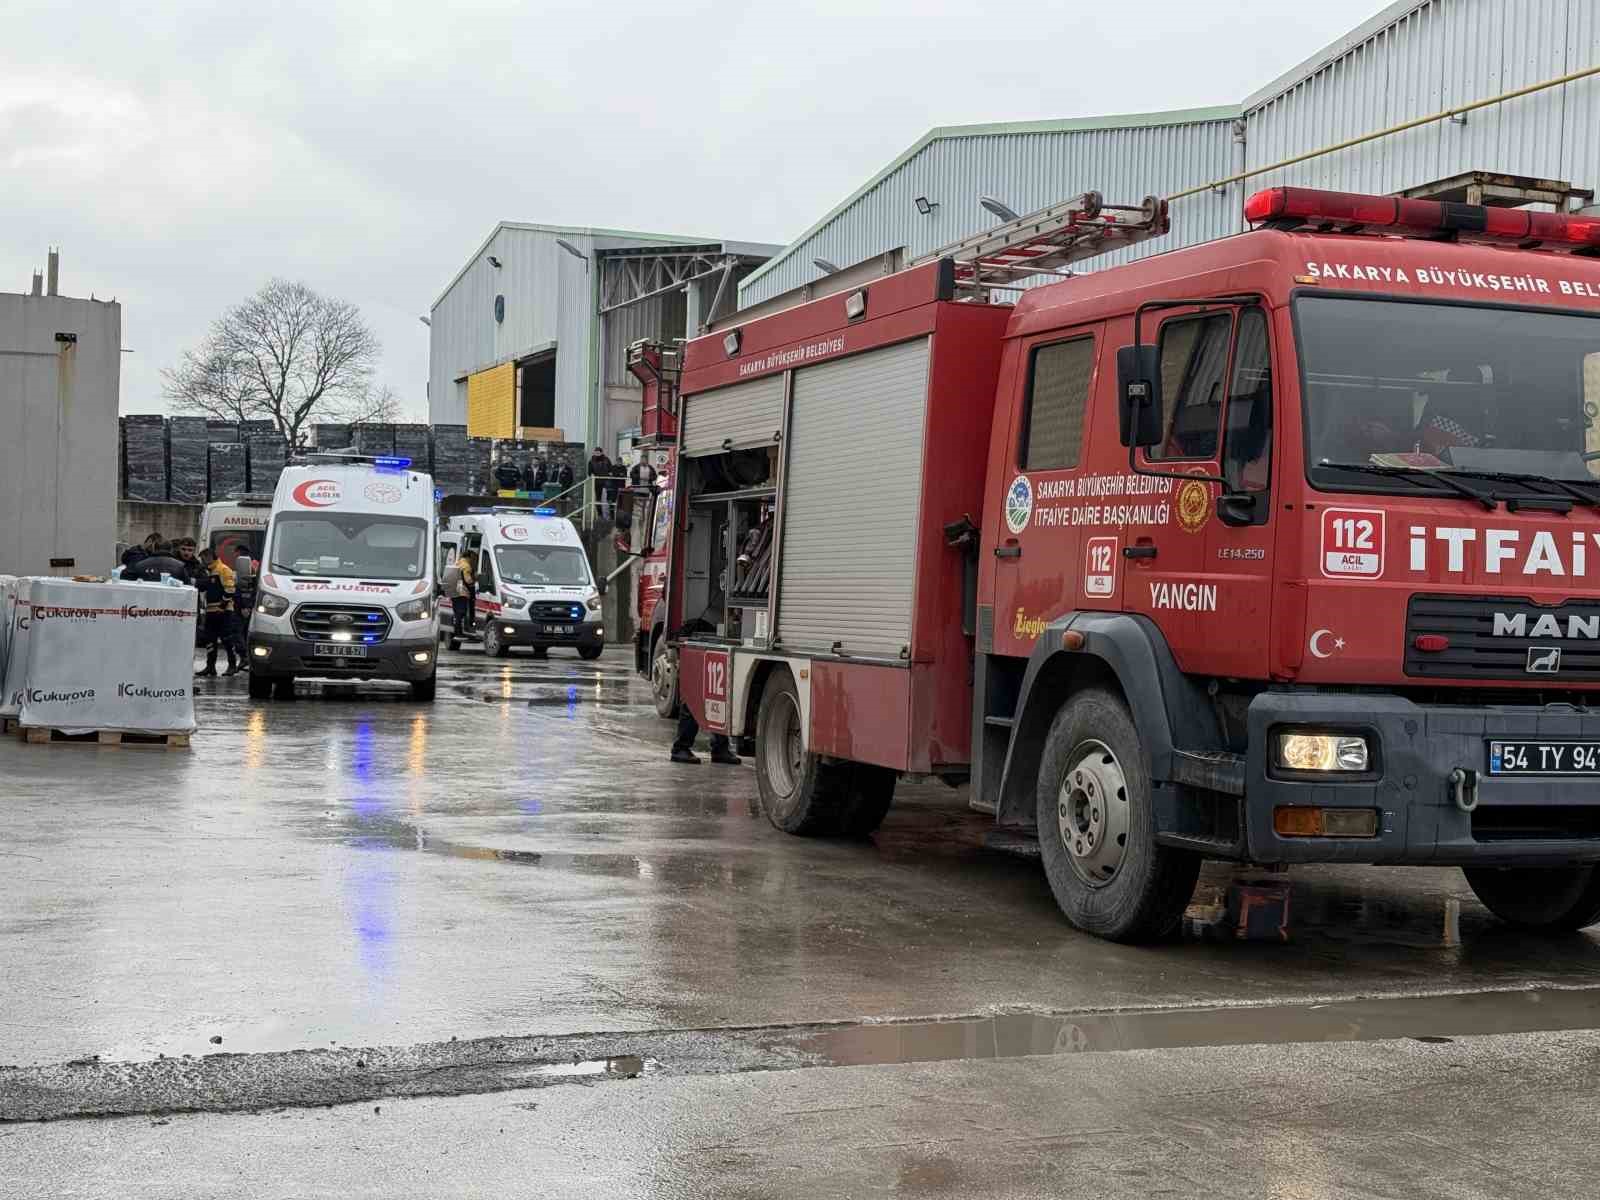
pixel 870 792
pixel 260 687
pixel 800 793
pixel 1097 827
pixel 664 679
pixel 1549 898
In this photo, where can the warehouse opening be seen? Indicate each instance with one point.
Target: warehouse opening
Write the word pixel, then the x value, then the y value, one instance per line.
pixel 536 388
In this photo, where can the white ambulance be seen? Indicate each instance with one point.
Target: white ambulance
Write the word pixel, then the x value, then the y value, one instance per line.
pixel 237 524
pixel 534 585
pixel 347 577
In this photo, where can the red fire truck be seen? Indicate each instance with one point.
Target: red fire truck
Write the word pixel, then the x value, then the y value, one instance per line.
pixel 1282 548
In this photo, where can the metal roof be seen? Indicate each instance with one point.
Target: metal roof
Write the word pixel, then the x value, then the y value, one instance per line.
pixel 1185 116
pixel 1334 51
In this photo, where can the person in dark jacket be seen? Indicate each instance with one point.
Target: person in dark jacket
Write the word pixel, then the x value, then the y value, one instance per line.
pixel 507 475
pixel 600 471
pixel 132 555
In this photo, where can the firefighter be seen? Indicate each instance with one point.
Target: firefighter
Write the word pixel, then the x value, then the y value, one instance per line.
pixel 222 622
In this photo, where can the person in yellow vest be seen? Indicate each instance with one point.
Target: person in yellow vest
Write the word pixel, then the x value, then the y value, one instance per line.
pixel 222 624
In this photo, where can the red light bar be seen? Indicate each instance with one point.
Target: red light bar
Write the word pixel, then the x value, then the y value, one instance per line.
pixel 1299 208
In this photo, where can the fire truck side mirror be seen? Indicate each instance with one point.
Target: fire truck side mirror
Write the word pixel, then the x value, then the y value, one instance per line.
pixel 1139 395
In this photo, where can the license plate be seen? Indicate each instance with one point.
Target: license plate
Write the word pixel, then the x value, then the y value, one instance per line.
pixel 338 650
pixel 1544 758
pixel 566 629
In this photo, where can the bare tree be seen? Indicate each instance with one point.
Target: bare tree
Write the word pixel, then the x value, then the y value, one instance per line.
pixel 286 355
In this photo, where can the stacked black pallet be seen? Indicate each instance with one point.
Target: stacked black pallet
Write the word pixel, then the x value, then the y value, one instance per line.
pixel 480 481
pixel 411 441
pixel 451 456
pixel 328 437
pixel 222 431
pixel 227 477
pixel 144 457
pixel 187 451
pixel 374 439
pixel 268 453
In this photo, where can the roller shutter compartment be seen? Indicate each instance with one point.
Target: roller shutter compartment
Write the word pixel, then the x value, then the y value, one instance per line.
pixel 738 417
pixel 851 495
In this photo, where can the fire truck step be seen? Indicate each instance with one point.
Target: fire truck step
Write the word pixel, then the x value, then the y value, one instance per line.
pixel 1000 722
pixel 1215 770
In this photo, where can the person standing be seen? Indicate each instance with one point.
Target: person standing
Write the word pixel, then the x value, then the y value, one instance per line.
pixel 600 471
pixel 688 730
pixel 564 480
pixel 220 588
pixel 461 602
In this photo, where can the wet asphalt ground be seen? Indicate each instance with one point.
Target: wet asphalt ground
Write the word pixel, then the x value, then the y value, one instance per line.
pixel 518 952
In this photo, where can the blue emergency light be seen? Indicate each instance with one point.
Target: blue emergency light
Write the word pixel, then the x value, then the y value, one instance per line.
pixel 544 512
pixel 389 462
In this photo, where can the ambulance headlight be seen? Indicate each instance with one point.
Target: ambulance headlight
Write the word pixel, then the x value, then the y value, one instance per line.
pixel 594 603
pixel 419 609
pixel 516 602
pixel 271 605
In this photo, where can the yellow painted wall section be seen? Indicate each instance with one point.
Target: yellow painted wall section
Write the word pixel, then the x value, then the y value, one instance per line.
pixel 492 402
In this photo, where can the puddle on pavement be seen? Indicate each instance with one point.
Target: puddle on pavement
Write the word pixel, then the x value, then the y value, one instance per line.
pixel 621 1066
pixel 1013 1035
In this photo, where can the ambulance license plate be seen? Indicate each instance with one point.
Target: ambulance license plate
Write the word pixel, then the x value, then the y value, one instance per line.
pixel 338 650
pixel 560 629
pixel 1544 758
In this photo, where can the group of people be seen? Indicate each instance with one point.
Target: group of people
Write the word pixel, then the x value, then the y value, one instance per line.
pixel 226 602
pixel 540 474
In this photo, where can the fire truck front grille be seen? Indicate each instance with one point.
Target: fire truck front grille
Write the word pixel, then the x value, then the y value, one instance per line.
pixel 555 610
pixel 1503 637
pixel 320 622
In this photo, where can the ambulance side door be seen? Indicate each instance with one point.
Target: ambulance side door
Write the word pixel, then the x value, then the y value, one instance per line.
pixel 1038 544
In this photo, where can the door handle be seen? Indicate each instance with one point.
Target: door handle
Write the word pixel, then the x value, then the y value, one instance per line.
pixel 1138 552
pixel 1008 551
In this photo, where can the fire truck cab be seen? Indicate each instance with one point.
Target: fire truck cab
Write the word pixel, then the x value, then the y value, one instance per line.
pixel 1281 548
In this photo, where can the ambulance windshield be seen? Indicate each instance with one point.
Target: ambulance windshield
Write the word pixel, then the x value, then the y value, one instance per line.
pixel 1469 390
pixel 542 566
pixel 349 545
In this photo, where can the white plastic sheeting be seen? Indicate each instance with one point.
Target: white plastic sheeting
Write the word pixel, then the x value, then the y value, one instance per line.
pixel 91 656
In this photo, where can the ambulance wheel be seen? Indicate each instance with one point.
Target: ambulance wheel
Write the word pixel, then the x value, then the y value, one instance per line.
pixel 1552 899
pixel 590 653
pixel 283 687
pixel 260 687
pixel 424 689
pixel 664 678
pixel 1097 827
pixel 800 793
pixel 870 793
pixel 493 647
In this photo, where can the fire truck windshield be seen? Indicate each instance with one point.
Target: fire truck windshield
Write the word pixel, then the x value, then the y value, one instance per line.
pixel 1428 388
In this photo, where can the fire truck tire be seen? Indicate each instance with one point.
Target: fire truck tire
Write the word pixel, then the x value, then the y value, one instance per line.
pixel 260 687
pixel 1097 826
pixel 800 793
pixel 1555 899
pixel 664 679
pixel 870 793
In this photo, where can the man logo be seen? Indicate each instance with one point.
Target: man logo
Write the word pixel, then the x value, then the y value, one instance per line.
pixel 1544 660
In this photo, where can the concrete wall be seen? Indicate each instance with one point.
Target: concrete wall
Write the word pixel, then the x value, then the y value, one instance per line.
pixel 137 519
pixel 58 433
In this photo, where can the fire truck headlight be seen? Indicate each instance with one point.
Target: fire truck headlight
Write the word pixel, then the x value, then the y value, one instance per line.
pixel 1332 752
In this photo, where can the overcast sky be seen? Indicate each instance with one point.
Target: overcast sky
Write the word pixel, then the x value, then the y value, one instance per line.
pixel 180 154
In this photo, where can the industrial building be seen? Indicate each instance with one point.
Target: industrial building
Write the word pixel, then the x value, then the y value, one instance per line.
pixel 1414 58
pixel 529 340
pixel 60 379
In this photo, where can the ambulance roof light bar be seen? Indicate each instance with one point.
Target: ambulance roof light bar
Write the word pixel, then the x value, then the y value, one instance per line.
pixel 1309 209
pixel 1043 241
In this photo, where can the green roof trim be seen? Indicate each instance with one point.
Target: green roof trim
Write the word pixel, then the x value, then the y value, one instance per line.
pixel 1181 116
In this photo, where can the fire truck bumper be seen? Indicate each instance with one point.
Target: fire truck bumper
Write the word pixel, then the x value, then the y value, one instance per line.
pixel 1436 786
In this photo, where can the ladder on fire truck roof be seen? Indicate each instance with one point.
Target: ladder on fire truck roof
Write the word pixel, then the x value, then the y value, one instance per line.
pixel 1043 242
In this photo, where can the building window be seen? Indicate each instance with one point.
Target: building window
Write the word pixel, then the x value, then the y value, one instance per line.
pixel 1058 392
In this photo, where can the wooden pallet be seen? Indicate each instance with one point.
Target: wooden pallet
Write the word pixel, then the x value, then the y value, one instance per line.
pixel 38 736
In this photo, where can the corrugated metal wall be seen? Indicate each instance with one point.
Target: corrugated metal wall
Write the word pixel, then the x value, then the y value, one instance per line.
pixel 1413 60
pixel 1027 171
pixel 1444 52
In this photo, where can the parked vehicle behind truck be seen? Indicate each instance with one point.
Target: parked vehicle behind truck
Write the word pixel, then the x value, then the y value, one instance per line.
pixel 1276 549
pixel 347 584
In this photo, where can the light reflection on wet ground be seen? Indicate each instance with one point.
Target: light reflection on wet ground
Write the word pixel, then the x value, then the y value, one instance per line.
pixel 351 867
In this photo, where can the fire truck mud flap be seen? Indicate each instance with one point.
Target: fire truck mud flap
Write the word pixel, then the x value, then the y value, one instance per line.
pixel 1170 710
pixel 1433 781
